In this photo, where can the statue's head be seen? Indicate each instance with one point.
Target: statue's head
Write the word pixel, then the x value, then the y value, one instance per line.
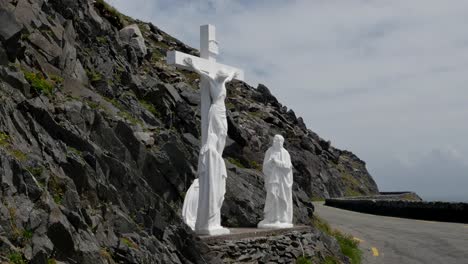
pixel 222 74
pixel 278 141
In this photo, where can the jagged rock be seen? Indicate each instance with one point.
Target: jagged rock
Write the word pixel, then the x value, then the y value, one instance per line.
pixel 145 137
pixel 131 35
pixel 10 26
pixel 49 48
pixel 15 79
pixel 97 161
pixel 266 96
pixel 3 56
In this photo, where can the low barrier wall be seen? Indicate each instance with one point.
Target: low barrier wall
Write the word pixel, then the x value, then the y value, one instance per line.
pixel 409 196
pixel 433 211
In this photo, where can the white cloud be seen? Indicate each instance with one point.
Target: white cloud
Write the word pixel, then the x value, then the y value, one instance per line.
pixel 381 78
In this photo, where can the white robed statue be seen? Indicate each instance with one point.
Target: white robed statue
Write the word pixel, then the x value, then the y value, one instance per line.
pixel 189 209
pixel 277 168
pixel 202 205
pixel 211 168
pixel 212 178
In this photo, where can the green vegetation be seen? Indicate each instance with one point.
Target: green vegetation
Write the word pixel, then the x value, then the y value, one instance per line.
pixel 4 138
pixel 157 55
pixel 16 258
pixel 150 107
pixel 16 153
pixel 257 114
pixel 27 235
pixel 303 260
pixel 236 162
pixel 25 36
pixel 39 83
pixel 110 13
pixel 230 105
pixel 191 77
pixel 92 104
pixel 254 165
pixel 130 118
pixel 128 242
pixel 57 189
pixel 74 150
pixel 116 76
pixel 56 79
pixel 15 231
pixel 331 260
pixel 102 39
pixel 123 112
pixel 350 182
pixel 348 245
pixel 317 199
pixel 409 197
pixel 51 261
pixel 93 76
pixel 35 171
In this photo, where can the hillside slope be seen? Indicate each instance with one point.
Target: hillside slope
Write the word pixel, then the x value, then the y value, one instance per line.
pixel 99 141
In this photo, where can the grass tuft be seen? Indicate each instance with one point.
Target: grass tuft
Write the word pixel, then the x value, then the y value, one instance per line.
pixel 254 165
pixel 129 243
pixel 4 138
pixel 102 40
pixel 236 162
pixel 18 154
pixel 57 189
pixel 6 144
pixel 27 235
pixel 303 260
pixel 35 171
pixel 93 76
pixel 16 258
pixel 150 107
pixel 348 245
pixel 39 83
pixel 331 260
pixel 110 13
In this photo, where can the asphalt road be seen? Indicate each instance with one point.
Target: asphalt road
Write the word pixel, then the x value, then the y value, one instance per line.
pixel 397 240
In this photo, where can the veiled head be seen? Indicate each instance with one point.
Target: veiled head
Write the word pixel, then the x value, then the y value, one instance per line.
pixel 278 141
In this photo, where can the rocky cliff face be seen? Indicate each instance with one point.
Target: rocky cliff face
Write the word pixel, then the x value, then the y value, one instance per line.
pixel 99 141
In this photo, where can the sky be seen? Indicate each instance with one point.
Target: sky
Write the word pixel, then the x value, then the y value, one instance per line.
pixel 387 80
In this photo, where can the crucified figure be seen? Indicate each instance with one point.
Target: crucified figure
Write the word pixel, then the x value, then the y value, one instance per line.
pixel 217 120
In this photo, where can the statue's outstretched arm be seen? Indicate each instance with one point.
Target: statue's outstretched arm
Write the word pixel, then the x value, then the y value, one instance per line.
pixel 232 76
pixel 189 63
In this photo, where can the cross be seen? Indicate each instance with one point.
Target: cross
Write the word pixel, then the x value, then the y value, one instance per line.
pixel 207 63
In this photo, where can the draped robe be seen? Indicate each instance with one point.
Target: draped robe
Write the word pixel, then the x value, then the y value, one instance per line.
pixel 190 207
pixel 212 180
pixel 278 184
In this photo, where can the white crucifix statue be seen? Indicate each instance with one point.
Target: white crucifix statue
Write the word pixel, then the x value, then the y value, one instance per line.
pixel 202 204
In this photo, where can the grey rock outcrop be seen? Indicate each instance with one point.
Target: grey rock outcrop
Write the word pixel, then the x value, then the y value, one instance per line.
pixel 131 35
pixel 99 141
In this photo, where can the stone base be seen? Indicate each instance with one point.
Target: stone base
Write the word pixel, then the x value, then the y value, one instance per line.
pixel 277 225
pixel 253 245
pixel 213 232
